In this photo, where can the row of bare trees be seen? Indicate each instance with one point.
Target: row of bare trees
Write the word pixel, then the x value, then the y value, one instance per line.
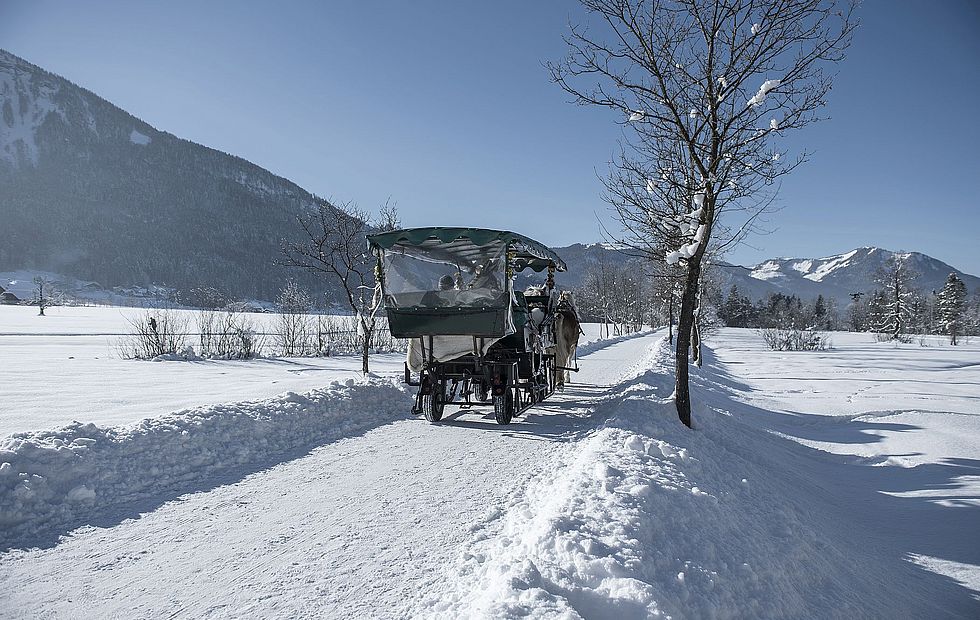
pixel 618 297
pixel 706 91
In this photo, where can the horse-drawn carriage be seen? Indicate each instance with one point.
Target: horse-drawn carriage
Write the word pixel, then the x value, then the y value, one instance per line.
pixel 450 292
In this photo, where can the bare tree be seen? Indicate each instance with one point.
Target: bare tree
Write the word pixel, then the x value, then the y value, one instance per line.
pixel 334 245
pixel 293 324
pixel 39 297
pixel 156 332
pixel 706 88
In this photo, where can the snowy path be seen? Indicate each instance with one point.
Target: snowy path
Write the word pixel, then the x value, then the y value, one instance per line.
pixel 358 528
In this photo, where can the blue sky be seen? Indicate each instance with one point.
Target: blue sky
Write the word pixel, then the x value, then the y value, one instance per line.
pixel 447 108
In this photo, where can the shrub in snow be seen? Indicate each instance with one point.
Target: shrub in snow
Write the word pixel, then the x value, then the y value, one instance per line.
pixel 794 339
pixel 887 337
pixel 226 335
pixel 154 333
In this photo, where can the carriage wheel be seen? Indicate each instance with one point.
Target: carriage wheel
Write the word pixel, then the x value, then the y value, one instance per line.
pixel 434 403
pixel 433 406
pixel 503 407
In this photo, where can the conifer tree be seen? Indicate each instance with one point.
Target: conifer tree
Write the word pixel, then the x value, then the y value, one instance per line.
pixel 897 299
pixel 952 307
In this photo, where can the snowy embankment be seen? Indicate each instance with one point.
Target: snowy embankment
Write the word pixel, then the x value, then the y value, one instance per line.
pixel 649 519
pixel 53 480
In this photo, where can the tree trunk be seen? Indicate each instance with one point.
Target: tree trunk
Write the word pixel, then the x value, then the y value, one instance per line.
pixel 685 324
pixel 696 342
pixel 365 349
pixel 670 321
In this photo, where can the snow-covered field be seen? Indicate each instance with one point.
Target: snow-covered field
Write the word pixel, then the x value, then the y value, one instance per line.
pixel 65 366
pixel 843 483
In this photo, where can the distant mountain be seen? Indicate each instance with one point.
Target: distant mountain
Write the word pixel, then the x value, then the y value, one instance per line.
pixel 579 257
pixel 91 191
pixel 833 276
pixel 837 276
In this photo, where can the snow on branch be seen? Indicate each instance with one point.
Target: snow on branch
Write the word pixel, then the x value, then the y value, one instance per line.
pixel 765 89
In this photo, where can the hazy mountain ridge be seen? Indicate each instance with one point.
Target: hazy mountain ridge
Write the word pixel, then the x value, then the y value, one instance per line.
pixel 89 190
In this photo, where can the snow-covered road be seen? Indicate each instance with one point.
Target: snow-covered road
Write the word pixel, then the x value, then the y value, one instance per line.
pixel 361 527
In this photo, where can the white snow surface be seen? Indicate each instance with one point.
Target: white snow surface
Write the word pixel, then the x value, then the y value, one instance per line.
pixel 811 269
pixel 843 483
pixel 768 270
pixel 830 265
pixel 65 366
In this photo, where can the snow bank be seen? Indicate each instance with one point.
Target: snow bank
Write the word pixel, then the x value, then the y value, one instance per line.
pixel 53 478
pixel 649 519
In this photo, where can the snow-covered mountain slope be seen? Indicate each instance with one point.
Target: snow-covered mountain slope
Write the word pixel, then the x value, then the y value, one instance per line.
pixel 90 191
pixel 840 275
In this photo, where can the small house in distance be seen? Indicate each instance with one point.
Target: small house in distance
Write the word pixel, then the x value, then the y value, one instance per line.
pixel 8 298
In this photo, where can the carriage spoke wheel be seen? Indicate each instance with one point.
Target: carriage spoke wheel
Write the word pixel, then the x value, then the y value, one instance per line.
pixel 503 407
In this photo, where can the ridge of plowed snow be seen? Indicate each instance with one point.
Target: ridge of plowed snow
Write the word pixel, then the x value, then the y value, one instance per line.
pixel 52 479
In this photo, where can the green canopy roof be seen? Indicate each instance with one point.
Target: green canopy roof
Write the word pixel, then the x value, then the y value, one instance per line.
pixel 530 253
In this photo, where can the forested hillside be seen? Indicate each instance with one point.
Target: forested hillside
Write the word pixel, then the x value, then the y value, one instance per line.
pixel 89 190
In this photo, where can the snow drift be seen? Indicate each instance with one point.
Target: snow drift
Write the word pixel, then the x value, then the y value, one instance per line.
pixel 55 479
